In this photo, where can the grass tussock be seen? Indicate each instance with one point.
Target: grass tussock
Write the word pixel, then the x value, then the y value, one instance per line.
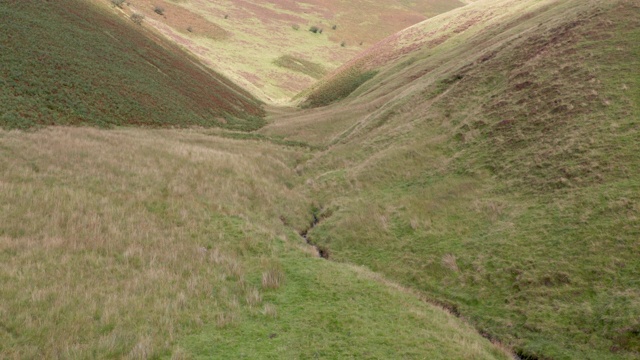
pixel 272 278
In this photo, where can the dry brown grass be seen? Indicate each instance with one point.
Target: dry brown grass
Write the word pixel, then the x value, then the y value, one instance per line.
pixel 272 278
pixel 253 297
pixel 449 261
pixel 116 242
pixel 270 310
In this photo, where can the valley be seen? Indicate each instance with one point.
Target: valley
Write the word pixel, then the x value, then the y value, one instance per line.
pixel 462 185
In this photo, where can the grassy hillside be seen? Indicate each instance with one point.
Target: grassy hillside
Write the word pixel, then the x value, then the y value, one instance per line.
pixel 67 62
pixel 492 163
pixel 145 244
pixel 485 160
pixel 179 244
pixel 248 40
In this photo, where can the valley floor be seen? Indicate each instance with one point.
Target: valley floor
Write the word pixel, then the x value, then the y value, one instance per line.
pixel 182 244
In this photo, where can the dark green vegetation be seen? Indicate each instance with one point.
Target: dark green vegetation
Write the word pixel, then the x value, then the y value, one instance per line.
pixel 339 87
pixel 68 63
pixel 301 65
pixel 502 176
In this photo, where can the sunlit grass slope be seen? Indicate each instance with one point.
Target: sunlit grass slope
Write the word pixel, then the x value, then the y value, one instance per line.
pixel 180 244
pixel 68 62
pixel 248 40
pixel 493 165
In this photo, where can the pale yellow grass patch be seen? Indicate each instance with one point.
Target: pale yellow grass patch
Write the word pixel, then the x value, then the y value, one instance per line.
pixel 119 241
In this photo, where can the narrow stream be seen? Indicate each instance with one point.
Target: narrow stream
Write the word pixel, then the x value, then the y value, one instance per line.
pixel 322 252
pixel 453 309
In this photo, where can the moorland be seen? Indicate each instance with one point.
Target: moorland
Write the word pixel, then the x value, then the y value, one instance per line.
pixel 432 179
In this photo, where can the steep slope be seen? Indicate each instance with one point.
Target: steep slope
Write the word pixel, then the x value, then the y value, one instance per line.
pixel 267 46
pixel 68 62
pixel 490 159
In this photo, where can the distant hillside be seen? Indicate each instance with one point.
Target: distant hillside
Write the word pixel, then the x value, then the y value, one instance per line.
pixel 71 63
pixel 489 157
pixel 267 46
pixel 456 38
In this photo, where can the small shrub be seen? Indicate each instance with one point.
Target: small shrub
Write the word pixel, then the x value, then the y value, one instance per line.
pixel 159 10
pixel 343 44
pixel 320 31
pixel 334 27
pixel 226 16
pixel 314 29
pixel 190 29
pixel 118 3
pixel 295 27
pixel 137 18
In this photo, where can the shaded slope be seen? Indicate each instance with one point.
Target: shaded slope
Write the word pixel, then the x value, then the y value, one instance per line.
pixel 67 62
pixel 493 165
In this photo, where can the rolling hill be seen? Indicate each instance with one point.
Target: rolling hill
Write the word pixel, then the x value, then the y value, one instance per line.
pixel 466 188
pixel 71 63
pixel 488 158
pixel 266 46
pixel 146 231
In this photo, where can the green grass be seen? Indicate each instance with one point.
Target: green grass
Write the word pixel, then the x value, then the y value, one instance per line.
pixel 271 139
pixel 147 244
pixel 493 173
pixel 329 311
pixel 260 48
pixel 339 88
pixel 117 243
pixel 100 70
pixel 504 181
